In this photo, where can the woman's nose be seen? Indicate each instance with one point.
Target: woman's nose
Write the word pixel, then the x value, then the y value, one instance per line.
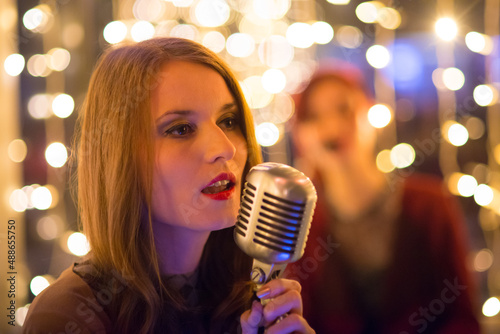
pixel 218 145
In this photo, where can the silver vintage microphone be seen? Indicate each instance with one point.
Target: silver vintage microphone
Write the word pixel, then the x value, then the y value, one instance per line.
pixel 273 222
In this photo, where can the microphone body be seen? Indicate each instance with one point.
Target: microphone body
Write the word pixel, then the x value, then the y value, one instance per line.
pixel 275 215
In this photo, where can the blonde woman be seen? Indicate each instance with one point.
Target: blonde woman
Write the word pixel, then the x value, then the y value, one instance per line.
pixel 166 139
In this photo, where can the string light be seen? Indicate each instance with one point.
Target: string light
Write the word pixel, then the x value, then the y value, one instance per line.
pixel 379 115
pixel 300 35
pixel 323 32
pixel 77 244
pixel 240 45
pixel 446 29
pixel 115 32
pixel 402 155
pixel 491 307
pixel 267 134
pixel 378 56
pixel 14 64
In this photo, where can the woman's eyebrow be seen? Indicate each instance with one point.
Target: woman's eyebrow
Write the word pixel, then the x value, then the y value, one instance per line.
pixel 173 112
pixel 228 106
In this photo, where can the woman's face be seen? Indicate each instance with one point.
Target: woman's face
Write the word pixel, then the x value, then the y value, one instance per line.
pixel 200 151
pixel 335 122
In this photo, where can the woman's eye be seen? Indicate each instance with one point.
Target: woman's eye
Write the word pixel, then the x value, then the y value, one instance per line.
pixel 179 130
pixel 230 123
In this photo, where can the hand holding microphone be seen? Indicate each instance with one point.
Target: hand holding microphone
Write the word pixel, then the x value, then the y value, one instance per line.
pixel 275 214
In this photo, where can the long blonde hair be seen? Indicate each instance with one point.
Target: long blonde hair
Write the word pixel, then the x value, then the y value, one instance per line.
pixel 114 187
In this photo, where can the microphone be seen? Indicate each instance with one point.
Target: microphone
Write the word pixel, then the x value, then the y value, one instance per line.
pixel 274 218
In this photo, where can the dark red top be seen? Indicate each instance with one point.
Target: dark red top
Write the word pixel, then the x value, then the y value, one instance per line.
pixel 426 289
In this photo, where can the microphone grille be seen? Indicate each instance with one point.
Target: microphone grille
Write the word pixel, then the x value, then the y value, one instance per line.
pixel 275 213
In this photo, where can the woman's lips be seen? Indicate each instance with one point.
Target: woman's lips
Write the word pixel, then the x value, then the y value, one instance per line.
pixel 221 187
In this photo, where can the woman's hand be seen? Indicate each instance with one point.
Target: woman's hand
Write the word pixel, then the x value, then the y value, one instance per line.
pixel 282 299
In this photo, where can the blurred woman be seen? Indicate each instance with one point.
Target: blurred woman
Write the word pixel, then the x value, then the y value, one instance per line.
pixel 386 253
pixel 166 139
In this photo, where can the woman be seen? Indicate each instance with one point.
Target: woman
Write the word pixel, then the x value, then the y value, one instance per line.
pixel 166 140
pixel 386 253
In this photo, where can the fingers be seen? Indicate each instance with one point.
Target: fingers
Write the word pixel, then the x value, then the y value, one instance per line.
pixel 252 319
pixel 293 323
pixel 281 298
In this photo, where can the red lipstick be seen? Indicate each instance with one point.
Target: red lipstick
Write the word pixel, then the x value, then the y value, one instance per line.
pixel 222 187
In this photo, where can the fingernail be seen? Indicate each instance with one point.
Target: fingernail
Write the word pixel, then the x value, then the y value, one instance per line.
pixel 263 293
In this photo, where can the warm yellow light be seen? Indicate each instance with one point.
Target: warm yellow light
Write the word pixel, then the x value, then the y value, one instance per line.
pixel 38 18
pixel 14 64
pixel 466 185
pixel 142 30
pixel 182 3
pixel 78 244
pixel 455 133
pixel 402 155
pixel 300 35
pixel 475 126
pixel 323 32
pixel 39 106
pixel 240 45
pixel 38 284
pixel 41 198
pixel 56 155
pixel 215 41
pixel 367 12
pixel 49 227
pixel 483 195
pixel 59 59
pixel 453 78
pixel 255 94
pixel 273 10
pixel 349 37
pixel 389 18
pixel 38 65
pixel 267 134
pixel 63 105
pixel 148 10
pixel 212 13
pixel 17 150
pixel 379 115
pixel 384 163
pixel 339 2
pixel 479 43
pixel 483 260
pixel 276 52
pixel 273 80
pixel 115 32
pixel 18 200
pixel 446 29
pixel 21 314
pixel 186 31
pixel 491 307
pixel 378 56
pixel 485 95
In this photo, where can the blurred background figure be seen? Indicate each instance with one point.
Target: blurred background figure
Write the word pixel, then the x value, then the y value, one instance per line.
pixel 386 253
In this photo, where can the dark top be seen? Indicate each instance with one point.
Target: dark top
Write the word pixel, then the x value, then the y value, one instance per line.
pixel 426 288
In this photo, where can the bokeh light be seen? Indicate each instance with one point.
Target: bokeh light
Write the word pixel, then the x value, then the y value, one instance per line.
pixel 384 163
pixel 17 150
pixel 142 30
pixel 485 95
pixel 379 115
pixel 56 155
pixel 255 94
pixel 38 19
pixel 402 155
pixel 455 133
pixel 115 32
pixel 215 41
pixel 491 307
pixel 21 314
pixel 41 198
pixel 267 134
pixel 18 200
pixel 378 56
pixel 388 18
pixel 273 81
pixel 59 59
pixel 367 12
pixel 77 244
pixel 240 45
pixel 446 28
pixel 453 78
pixel 49 227
pixel 349 37
pixel 38 284
pixel 63 105
pixel 14 64
pixel 483 195
pixel 300 35
pixel 466 185
pixel 479 43
pixel 323 32
pixel 38 65
pixel 339 2
pixel 273 10
pixel 475 126
pixel 186 31
pixel 483 260
pixel 212 13
pixel 40 106
pixel 275 52
pixel 148 10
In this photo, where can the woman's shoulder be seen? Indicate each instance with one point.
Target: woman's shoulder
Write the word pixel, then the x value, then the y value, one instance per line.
pixel 69 306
